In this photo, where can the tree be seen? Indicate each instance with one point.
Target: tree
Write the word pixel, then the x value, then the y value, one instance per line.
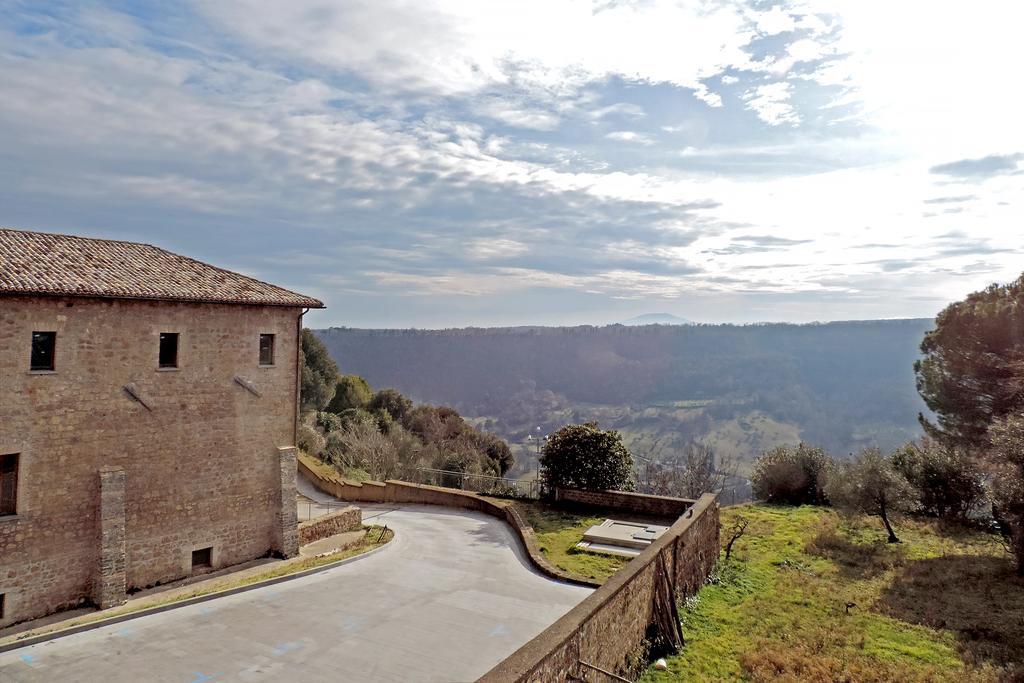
pixel 383 456
pixel 1007 462
pixel 586 457
pixel 791 476
pixel 689 473
pixel 972 373
pixel 870 485
pixel 351 391
pixel 947 480
pixel 318 374
pixel 390 400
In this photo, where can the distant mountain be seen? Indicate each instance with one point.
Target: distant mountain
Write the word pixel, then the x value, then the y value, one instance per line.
pixel 657 319
pixel 740 388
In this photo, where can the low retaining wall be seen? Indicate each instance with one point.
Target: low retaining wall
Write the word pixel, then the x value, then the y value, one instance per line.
pixel 641 503
pixel 609 627
pixel 607 630
pixel 393 491
pixel 346 519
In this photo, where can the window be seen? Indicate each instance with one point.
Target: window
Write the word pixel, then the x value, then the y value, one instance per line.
pixel 266 349
pixel 168 349
pixel 202 558
pixel 2 596
pixel 44 346
pixel 9 484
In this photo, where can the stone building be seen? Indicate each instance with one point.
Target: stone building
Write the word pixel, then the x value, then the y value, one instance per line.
pixel 148 415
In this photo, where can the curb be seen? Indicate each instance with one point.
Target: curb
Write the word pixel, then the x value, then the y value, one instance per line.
pixel 145 612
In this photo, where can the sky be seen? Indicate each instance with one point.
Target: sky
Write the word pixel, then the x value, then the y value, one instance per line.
pixel 557 162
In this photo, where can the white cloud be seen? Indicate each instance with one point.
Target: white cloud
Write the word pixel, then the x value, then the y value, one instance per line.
pixel 630 136
pixel 772 103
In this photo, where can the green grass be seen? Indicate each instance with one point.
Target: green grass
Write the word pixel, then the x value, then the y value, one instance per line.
pixel 943 605
pixel 559 531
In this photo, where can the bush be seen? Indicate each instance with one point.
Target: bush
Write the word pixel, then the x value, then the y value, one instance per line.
pixel 328 422
pixel 791 476
pixel 946 480
pixel 310 440
pixel 586 457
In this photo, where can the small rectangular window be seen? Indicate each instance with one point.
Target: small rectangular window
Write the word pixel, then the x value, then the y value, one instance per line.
pixel 9 484
pixel 168 349
pixel 44 347
pixel 2 596
pixel 202 558
pixel 266 349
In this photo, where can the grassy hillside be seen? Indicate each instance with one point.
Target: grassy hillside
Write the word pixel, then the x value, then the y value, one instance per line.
pixel 812 596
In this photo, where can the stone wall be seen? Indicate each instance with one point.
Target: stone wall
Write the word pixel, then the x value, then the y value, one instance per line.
pixel 346 519
pixel 199 451
pixel 640 503
pixel 608 628
pixel 392 491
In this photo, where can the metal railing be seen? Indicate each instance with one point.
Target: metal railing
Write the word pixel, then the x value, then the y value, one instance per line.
pixel 311 509
pixel 478 483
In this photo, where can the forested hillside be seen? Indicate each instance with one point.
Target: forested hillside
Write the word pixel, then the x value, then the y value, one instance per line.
pixel 741 388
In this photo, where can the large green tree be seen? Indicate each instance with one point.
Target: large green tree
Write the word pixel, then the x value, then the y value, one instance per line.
pixel 1007 460
pixel 351 391
pixel 586 457
pixel 972 373
pixel 392 401
pixel 318 374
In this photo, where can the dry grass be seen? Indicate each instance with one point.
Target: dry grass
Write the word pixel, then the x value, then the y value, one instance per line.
pixel 812 596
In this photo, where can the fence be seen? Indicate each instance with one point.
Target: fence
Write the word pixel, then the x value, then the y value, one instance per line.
pixel 311 509
pixel 478 483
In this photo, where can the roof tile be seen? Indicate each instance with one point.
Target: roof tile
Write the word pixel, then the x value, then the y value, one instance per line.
pixel 64 265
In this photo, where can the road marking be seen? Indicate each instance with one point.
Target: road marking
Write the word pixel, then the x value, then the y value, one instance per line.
pixel 28 659
pixel 498 630
pixel 203 678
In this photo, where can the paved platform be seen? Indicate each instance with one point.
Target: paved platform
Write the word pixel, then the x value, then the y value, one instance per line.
pixel 450 597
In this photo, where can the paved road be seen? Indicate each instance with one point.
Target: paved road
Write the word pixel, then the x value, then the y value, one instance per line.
pixel 449 598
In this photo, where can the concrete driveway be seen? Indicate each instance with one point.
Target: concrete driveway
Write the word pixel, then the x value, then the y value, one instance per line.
pixel 446 600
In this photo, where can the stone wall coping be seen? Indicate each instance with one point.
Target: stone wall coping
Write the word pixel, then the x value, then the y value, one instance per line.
pixel 521 662
pixel 632 494
pixel 455 498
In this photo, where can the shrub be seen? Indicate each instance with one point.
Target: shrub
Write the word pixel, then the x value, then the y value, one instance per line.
pixel 791 476
pixel 946 480
pixel 586 457
pixel 310 440
pixel 328 422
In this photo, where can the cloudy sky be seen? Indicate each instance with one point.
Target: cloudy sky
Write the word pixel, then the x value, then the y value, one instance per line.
pixel 450 163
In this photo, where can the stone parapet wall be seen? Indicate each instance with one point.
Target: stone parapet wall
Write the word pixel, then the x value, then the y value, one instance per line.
pixel 346 519
pixel 393 491
pixel 640 503
pixel 607 630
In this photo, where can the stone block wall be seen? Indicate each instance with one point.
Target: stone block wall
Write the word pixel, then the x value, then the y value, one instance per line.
pixel 346 519
pixel 640 503
pixel 109 584
pixel 609 627
pixel 199 452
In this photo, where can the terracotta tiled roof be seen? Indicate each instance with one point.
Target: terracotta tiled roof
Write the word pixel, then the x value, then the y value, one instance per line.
pixel 63 265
